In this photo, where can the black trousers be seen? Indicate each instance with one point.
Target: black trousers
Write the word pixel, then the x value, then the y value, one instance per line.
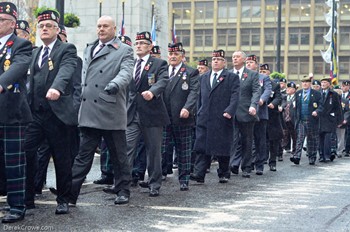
pixel 246 129
pixel 203 161
pixel 47 126
pixel 116 144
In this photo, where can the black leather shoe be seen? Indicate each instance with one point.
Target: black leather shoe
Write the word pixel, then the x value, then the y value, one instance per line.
pixel 196 178
pixel 280 158
pixel 153 193
pixel 144 184
pixel 223 180
pixel 246 175
pixel 332 157
pixel 163 178
pixel 53 191
pixel 12 217
pixel 120 200
pixel 104 180
pixel 234 170
pixel 183 187
pixel 295 160
pixel 273 168
pixel 109 189
pixel 312 162
pixel 347 154
pixel 62 208
pixel 259 172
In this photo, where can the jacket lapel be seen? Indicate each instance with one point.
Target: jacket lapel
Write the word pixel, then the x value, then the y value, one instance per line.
pixel 144 72
pixel 219 79
pixel 177 77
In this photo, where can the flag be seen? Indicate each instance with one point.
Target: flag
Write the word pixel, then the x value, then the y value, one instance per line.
pixel 173 34
pixel 122 28
pixel 153 32
pixel 334 66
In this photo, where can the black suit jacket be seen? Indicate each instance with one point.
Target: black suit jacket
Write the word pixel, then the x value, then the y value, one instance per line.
pixel 64 59
pixel 154 77
pixel 315 104
pixel 13 100
pixel 249 96
pixel 182 92
pixel 275 124
pixel 331 115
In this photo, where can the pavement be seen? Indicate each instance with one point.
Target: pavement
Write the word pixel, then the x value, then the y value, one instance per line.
pixel 295 198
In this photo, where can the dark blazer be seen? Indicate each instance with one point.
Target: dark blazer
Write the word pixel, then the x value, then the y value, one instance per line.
pixel 64 59
pixel 182 92
pixel 154 77
pixel 345 103
pixel 331 115
pixel 214 132
pixel 275 124
pixel 249 96
pixel 13 103
pixel 315 104
pixel 266 89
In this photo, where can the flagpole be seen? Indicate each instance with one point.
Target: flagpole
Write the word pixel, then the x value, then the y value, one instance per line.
pixel 173 32
pixel 152 13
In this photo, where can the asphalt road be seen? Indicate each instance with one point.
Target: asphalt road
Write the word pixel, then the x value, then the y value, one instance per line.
pixel 295 198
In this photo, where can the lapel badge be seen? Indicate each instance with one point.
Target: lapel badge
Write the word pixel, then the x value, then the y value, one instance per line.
pixel 184 86
pixel 315 105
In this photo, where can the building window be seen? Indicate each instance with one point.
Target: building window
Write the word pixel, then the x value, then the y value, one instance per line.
pixel 271 61
pixel 226 37
pixel 320 67
pixel 250 37
pixel 344 35
pixel 227 9
pixel 270 36
pixel 271 8
pixel 344 64
pixel 183 36
pixel 251 9
pixel 204 10
pixel 299 36
pixel 321 8
pixel 319 33
pixel 203 38
pixel 182 10
pixel 299 9
pixel 298 65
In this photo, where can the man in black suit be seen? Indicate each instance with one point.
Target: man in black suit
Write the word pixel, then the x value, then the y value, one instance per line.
pixel 218 100
pixel 51 102
pixel 246 115
pixel 330 118
pixel 180 97
pixel 344 129
pixel 15 55
pixel 147 113
pixel 308 107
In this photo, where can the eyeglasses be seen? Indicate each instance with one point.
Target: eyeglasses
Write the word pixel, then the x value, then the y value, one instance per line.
pixel 141 43
pixel 47 25
pixel 3 20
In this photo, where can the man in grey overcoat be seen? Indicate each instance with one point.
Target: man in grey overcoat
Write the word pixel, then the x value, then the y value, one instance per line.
pixel 107 71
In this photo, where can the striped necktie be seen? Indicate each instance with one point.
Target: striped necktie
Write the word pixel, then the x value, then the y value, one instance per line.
pixel 138 71
pixel 45 56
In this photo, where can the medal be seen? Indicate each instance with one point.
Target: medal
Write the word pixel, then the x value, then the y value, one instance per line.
pixel 7 65
pixel 8 56
pixel 315 105
pixel 50 64
pixel 151 79
pixel 184 86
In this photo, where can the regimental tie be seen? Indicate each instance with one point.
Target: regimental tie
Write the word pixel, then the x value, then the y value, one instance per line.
pixel 138 72
pixel 44 57
pixel 172 74
pixel 213 83
pixel 305 96
pixel 99 49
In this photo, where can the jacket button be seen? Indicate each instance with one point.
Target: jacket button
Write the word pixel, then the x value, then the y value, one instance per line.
pixel 95 101
pixel 101 71
pixel 96 86
pixel 85 84
pixel 84 99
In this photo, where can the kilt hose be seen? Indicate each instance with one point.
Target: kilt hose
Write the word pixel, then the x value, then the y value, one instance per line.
pixel 305 129
pixel 182 137
pixel 12 140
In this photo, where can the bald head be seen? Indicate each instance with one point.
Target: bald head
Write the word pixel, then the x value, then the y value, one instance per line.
pixel 106 28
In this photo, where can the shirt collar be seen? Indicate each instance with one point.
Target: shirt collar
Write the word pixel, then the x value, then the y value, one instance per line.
pixel 4 39
pixel 145 58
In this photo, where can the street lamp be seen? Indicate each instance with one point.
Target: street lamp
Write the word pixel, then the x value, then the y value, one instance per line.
pixel 278 53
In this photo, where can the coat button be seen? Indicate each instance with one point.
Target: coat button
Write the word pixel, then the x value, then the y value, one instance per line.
pixel 101 71
pixel 84 99
pixel 95 101
pixel 96 86
pixel 85 84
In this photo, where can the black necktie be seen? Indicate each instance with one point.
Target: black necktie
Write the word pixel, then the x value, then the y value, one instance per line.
pixel 99 49
pixel 213 83
pixel 172 74
pixel 138 71
pixel 45 56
